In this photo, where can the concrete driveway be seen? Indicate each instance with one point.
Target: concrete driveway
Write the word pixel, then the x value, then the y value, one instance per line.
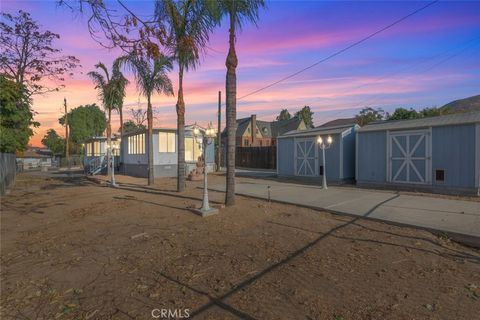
pixel 452 216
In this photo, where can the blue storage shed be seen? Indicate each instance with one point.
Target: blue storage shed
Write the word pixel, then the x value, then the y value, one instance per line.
pixel 439 154
pixel 134 160
pixel 299 156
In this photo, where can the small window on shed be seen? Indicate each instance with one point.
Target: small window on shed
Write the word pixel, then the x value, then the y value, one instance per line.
pixel 439 175
pixel 321 170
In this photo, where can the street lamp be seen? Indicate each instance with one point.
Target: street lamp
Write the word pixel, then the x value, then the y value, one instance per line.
pixel 112 164
pixel 324 145
pixel 207 139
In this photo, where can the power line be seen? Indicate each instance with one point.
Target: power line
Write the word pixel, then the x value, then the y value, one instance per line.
pixel 340 51
pixel 462 47
pixel 369 101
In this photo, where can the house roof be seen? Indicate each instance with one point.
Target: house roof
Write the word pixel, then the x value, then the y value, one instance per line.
pixel 35 153
pixel 187 128
pixel 99 139
pixel 271 129
pixel 319 131
pixel 284 126
pixel 447 120
pixel 340 122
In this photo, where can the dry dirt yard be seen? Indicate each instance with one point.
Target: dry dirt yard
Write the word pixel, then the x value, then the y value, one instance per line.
pixel 72 249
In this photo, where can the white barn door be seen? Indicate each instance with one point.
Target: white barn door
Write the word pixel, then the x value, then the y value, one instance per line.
pixel 306 157
pixel 409 157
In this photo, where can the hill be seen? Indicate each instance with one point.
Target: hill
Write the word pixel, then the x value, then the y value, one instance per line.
pixel 464 105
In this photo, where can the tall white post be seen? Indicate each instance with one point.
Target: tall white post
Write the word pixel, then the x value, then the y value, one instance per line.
pixel 205 204
pixel 114 184
pixel 324 182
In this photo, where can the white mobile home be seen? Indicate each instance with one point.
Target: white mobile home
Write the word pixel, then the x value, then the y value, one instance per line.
pixel 134 159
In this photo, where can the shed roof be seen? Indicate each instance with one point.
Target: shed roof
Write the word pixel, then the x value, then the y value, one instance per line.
pixel 447 120
pixel 319 131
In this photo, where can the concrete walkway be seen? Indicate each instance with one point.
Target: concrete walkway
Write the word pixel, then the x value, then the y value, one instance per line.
pixel 451 216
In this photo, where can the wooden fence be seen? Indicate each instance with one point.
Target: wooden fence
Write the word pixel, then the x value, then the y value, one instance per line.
pixel 8 169
pixel 256 157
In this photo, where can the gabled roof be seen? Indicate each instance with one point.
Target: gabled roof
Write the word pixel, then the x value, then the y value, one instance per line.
pixel 270 129
pixel 451 119
pixel 319 131
pixel 283 126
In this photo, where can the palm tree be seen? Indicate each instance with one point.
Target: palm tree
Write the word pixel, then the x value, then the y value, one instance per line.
pixel 151 76
pixel 238 12
pixel 188 25
pixel 111 90
pixel 120 83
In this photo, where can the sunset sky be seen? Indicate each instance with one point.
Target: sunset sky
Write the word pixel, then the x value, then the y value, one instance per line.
pixel 427 60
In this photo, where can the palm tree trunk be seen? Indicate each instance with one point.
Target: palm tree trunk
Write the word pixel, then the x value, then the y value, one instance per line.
pixel 181 134
pixel 109 144
pixel 120 111
pixel 231 114
pixel 151 179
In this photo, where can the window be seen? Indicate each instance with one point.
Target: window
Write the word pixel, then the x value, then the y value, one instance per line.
pixel 96 148
pixel 246 142
pixel 193 149
pixel 166 141
pixel 440 175
pixel 88 150
pixel 321 170
pixel 136 144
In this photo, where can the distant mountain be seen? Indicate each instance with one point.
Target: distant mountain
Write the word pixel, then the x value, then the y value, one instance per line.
pixel 464 105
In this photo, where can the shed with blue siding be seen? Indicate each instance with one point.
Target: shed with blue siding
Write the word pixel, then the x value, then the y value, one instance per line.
pixel 299 156
pixel 439 154
pixel 135 152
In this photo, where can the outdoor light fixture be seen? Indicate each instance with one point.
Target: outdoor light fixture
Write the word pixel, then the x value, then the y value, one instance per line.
pixel 324 145
pixel 207 139
pixel 112 164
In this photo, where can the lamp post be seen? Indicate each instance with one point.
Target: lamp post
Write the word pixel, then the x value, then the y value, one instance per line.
pixel 324 145
pixel 207 139
pixel 112 164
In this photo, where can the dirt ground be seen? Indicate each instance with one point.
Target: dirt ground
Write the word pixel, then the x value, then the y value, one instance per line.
pixel 72 249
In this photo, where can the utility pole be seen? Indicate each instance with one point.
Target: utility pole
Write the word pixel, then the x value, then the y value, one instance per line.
pixel 66 135
pixel 219 132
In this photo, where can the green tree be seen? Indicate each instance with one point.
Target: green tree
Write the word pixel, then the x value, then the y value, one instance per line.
pixel 306 115
pixel 54 142
pixel 28 56
pixel 111 90
pixel 131 126
pixel 434 111
pixel 368 114
pixel 151 76
pixel 188 25
pixel 238 12
pixel 16 116
pixel 284 115
pixel 403 114
pixel 85 122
